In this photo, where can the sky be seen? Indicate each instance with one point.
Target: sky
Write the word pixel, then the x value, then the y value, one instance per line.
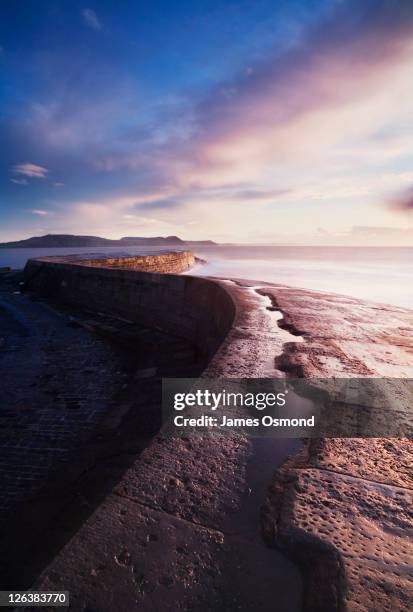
pixel 259 121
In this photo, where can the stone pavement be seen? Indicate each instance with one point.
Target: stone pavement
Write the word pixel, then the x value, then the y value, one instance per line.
pixel 342 509
pixel 174 523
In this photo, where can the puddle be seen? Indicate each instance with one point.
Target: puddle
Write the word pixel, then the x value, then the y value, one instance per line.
pixel 268 453
pixel 274 315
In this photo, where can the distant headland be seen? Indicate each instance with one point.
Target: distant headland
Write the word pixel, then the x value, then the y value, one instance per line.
pixel 71 240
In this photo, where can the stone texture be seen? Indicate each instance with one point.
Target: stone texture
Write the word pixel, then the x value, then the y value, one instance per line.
pixel 352 529
pixel 195 309
pixel 335 509
pixel 201 483
pixel 387 461
pixel 165 263
pixel 342 510
pixel 65 395
pixel 200 479
pixel 345 337
pixel 57 383
pixel 254 341
pixel 133 557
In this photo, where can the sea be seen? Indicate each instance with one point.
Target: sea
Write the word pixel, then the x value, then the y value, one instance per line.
pixel 380 274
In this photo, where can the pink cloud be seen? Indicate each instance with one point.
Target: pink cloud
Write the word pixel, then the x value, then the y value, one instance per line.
pixel 31 170
pixel 294 102
pixel 91 19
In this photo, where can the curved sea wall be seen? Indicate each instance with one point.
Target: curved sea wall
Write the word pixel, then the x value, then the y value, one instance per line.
pixel 166 263
pixel 173 262
pixel 335 510
pixel 147 292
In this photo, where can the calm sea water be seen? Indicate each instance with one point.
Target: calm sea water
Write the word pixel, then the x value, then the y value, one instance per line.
pixel 382 274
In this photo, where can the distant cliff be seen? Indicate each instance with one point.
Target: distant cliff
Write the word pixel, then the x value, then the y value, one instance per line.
pixel 69 240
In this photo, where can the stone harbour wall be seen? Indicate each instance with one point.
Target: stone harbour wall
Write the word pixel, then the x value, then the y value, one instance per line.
pixel 166 263
pixel 197 309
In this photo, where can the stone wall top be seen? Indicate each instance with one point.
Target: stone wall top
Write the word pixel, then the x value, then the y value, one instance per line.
pixel 172 262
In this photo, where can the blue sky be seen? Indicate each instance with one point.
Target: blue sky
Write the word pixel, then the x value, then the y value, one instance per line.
pixel 259 121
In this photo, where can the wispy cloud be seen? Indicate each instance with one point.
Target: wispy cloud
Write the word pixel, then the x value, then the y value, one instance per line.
pixel 317 132
pixel 38 211
pixel 301 112
pixel 259 194
pixel 91 19
pixel 312 97
pixel 19 181
pixel 138 221
pixel 31 170
pixel 167 203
